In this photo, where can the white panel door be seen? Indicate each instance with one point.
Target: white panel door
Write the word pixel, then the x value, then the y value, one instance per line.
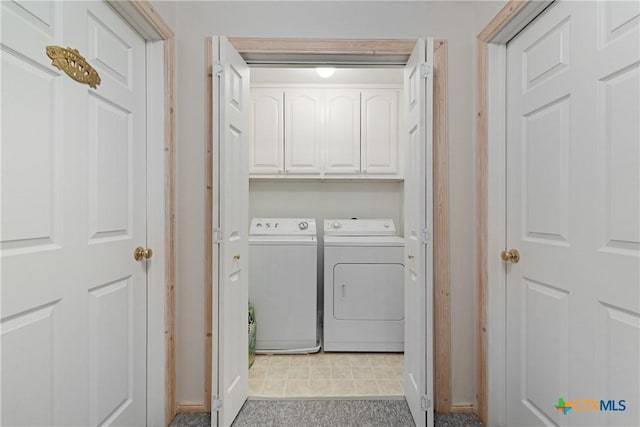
pixel 573 209
pixel 230 255
pixel 303 126
pixel 418 275
pixel 266 148
pixel 73 191
pixel 342 131
pixel 380 131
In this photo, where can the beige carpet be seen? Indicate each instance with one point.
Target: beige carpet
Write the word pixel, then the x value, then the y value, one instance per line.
pixel 326 413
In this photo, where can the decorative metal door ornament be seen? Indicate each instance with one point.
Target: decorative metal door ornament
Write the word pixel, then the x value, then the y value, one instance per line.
pixel 75 65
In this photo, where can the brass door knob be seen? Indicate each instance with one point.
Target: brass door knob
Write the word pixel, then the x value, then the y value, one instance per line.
pixel 236 257
pixel 410 256
pixel 512 256
pixel 141 252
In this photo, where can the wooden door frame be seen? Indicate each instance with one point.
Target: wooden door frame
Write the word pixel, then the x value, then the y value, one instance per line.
pixel 370 48
pixel 160 56
pixel 491 49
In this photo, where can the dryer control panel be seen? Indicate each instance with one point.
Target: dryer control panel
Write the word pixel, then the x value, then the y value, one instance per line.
pixel 283 227
pixel 359 227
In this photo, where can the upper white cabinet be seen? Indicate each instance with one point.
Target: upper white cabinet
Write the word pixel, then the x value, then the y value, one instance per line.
pixel 341 140
pixel 379 147
pixel 303 111
pixel 328 132
pixel 266 132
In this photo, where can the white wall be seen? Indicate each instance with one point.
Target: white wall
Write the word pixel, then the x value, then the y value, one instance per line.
pixel 453 21
pixel 324 200
pixel 166 9
pixel 484 11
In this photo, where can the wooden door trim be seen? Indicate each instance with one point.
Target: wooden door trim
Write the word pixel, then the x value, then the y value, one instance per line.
pixel 141 15
pixel 247 45
pixel 208 221
pixel 441 231
pixel 490 177
pixel 442 328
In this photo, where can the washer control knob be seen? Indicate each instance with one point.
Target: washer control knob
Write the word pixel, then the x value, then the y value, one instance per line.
pixel 336 225
pixel 303 225
pixel 386 225
pixel 259 225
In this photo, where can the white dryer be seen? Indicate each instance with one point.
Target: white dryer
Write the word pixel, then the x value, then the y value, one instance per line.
pixel 283 284
pixel 363 286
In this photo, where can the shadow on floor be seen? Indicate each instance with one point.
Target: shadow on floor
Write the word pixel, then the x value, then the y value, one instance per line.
pixel 326 413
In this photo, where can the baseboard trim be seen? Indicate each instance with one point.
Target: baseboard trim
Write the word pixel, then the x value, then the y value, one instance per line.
pixel 190 408
pixel 463 409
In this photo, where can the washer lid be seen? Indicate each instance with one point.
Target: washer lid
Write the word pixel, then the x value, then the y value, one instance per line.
pixel 283 241
pixel 283 227
pixel 359 227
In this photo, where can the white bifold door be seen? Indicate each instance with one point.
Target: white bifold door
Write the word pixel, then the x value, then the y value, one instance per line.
pixel 74 299
pixel 418 222
pixel 231 104
pixel 573 213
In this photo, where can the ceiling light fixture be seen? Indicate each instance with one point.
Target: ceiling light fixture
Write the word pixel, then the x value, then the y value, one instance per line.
pixel 325 72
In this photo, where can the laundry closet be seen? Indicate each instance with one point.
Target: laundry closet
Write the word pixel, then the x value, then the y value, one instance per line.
pixel 326 163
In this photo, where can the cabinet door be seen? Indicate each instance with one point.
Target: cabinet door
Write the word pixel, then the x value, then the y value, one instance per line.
pixel 303 131
pixel 380 146
pixel 342 132
pixel 266 146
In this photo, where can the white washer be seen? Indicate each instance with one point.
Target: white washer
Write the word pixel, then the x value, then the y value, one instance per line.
pixel 363 286
pixel 283 284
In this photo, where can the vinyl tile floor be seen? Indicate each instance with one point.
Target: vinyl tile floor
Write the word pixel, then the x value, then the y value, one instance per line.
pixel 326 375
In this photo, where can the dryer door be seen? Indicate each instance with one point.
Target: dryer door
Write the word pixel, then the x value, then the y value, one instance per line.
pixel 368 292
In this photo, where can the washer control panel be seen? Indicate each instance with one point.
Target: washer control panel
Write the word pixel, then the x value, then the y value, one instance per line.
pixel 283 227
pixel 359 227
